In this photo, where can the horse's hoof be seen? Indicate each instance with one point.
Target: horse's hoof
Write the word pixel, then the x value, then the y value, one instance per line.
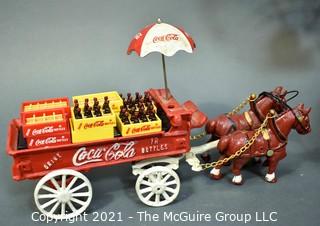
pixel 271 177
pixel 237 180
pixel 274 180
pixel 238 183
pixel 216 177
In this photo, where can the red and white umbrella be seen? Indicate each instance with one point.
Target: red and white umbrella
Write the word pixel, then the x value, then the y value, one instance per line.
pixel 163 38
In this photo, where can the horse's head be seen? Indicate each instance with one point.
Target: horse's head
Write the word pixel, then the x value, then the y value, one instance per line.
pixel 279 93
pixel 302 124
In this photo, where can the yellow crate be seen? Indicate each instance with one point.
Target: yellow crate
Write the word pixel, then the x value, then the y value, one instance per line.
pixel 106 120
pixel 138 128
pixel 115 100
pixel 97 133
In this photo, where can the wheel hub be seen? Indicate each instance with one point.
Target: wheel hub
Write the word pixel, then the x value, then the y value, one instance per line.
pixel 158 189
pixel 64 197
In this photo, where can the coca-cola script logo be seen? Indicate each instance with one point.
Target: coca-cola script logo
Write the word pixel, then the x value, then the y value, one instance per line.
pixel 165 38
pixel 143 128
pixel 93 125
pixel 45 130
pixel 48 141
pixel 115 152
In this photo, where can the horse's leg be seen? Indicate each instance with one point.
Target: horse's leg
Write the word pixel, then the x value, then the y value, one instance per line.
pixel 236 169
pixel 215 173
pixel 206 156
pixel 273 163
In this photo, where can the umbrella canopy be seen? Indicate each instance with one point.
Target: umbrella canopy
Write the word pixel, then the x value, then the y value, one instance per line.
pixel 163 38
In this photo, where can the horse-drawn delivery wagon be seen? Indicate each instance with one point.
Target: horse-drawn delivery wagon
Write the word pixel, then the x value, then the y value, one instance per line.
pixel 56 143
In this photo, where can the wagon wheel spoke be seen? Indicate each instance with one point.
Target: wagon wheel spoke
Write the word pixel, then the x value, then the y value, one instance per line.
pixel 54 207
pixel 49 203
pixel 147 183
pixel 80 194
pixel 47 196
pixel 55 183
pixel 72 182
pixel 82 203
pixel 157 199
pixel 63 208
pixel 170 189
pixel 45 187
pixel 145 190
pixel 158 176
pixel 172 182
pixel 166 178
pixel 63 181
pixel 78 187
pixel 152 178
pixel 148 197
pixel 73 209
pixel 165 195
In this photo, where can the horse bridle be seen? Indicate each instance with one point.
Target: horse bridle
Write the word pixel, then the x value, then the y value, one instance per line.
pixel 277 99
pixel 281 102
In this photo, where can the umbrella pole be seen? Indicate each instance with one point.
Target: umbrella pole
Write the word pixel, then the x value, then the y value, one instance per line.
pixel 165 75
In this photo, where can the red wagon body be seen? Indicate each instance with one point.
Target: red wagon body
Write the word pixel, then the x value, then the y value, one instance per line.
pixel 36 162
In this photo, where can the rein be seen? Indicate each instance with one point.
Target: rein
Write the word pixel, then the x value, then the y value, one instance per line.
pixel 281 102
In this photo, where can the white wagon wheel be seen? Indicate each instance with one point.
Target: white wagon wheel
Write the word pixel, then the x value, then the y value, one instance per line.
pixel 158 186
pixel 63 194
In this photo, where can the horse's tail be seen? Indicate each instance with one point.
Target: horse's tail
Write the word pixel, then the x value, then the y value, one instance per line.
pixel 223 144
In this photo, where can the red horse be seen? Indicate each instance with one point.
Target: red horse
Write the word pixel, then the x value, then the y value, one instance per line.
pixel 250 120
pixel 272 144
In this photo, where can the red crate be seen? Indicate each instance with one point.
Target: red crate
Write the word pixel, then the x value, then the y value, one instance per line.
pixel 41 123
pixel 45 104
pixel 49 140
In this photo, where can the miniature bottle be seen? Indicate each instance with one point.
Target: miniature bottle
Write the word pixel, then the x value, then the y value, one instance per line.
pixel 105 106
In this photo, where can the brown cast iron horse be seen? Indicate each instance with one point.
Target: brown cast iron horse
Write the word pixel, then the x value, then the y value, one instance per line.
pixel 273 146
pixel 250 120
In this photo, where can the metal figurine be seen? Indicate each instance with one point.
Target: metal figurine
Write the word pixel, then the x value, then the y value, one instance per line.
pixel 51 143
pixel 271 143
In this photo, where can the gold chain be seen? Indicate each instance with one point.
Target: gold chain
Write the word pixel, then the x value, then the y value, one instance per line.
pixel 243 149
pixel 198 136
pixel 251 98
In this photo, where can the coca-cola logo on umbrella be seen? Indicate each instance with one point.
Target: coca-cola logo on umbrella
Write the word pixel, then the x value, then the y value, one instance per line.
pixel 115 152
pixel 166 38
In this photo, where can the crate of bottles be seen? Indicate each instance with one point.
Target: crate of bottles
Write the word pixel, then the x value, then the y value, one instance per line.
pixel 45 104
pixel 115 101
pixel 131 128
pixel 93 116
pixel 138 116
pixel 45 122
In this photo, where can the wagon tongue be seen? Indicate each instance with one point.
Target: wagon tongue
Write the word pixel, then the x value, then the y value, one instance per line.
pixel 198 119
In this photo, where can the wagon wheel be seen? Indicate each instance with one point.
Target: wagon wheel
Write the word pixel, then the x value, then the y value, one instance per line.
pixel 158 186
pixel 66 199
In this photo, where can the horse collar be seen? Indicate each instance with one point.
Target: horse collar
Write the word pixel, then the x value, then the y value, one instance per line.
pixel 256 111
pixel 282 138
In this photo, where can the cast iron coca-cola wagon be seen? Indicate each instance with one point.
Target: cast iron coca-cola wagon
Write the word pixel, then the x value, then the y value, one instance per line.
pixel 57 143
pixel 59 150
